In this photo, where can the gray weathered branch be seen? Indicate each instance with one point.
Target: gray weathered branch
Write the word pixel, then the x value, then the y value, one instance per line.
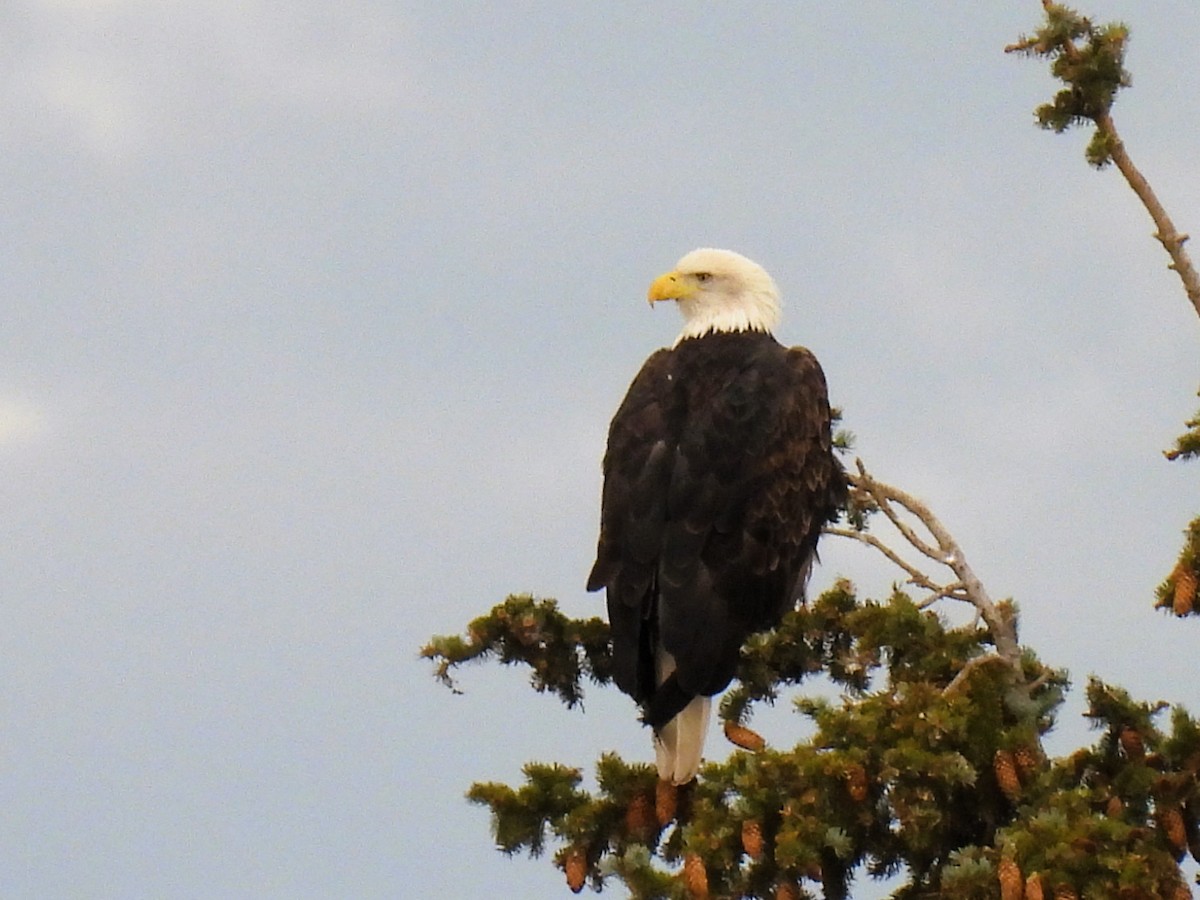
pixel 1167 234
pixel 942 549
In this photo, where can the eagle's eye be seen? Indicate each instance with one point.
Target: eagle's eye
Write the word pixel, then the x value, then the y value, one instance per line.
pixel 702 277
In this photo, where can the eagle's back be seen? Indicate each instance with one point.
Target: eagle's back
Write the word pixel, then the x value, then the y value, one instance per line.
pixel 718 477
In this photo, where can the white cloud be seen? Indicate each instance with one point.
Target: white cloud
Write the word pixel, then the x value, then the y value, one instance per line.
pixel 121 76
pixel 101 110
pixel 20 421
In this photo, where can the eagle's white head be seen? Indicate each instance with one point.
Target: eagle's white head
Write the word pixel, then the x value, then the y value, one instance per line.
pixel 719 290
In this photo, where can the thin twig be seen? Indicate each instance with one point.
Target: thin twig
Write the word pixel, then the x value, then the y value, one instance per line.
pixel 949 592
pixel 967 587
pixel 965 672
pixel 915 575
pixel 952 591
pixel 865 482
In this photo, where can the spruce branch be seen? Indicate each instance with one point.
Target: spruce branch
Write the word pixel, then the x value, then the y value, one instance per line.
pixel 1093 72
pixel 891 776
pixel 1187 445
pixel 1178 592
pixel 559 650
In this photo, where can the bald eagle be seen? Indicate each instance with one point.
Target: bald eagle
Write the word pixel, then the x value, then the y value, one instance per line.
pixel 718 477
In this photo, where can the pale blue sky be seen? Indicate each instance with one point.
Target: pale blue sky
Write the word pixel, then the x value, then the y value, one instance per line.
pixel 315 318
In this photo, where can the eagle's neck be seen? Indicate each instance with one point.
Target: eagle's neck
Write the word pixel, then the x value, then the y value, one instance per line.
pixel 749 311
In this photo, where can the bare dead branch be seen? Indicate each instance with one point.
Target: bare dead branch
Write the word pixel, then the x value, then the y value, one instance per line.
pixel 972 664
pixel 1167 234
pixel 952 591
pixel 966 586
pixel 866 483
pixel 915 575
pixel 949 592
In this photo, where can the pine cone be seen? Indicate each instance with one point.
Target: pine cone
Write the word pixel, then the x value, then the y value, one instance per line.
pixel 695 878
pixel 1114 807
pixel 1012 885
pixel 526 631
pixel 1181 892
pixel 1079 761
pixel 1185 589
pixel 665 798
pixel 787 890
pixel 1033 887
pixel 1193 830
pixel 743 737
pixel 1028 761
pixel 856 779
pixel 1170 820
pixel 1065 892
pixel 752 839
pixel 640 819
pixel 575 865
pixel 1006 775
pixel 1131 742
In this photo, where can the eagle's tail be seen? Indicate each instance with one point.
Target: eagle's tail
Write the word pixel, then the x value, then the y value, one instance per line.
pixel 679 743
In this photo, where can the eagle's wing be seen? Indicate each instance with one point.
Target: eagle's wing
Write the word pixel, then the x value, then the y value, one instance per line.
pixel 633 509
pixel 753 482
pixel 716 486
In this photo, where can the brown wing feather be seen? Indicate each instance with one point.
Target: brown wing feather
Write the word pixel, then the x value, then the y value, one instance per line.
pixel 633 509
pixel 718 478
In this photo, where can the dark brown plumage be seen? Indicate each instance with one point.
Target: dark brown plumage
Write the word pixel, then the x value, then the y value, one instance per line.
pixel 718 477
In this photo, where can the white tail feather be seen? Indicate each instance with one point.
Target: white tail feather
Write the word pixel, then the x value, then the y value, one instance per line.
pixel 679 745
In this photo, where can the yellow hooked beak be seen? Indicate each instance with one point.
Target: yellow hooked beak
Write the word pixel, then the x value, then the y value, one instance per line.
pixel 671 286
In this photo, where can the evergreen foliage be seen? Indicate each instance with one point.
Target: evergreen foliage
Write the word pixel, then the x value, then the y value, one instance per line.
pixel 1178 592
pixel 558 650
pixel 1187 445
pixel 1093 72
pixel 929 762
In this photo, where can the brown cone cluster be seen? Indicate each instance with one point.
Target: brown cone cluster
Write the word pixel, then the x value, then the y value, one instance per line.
pixel 1184 597
pixel 1033 887
pixel 575 865
pixel 1131 742
pixel 666 798
pixel 752 839
pixel 743 737
pixel 1006 775
pixel 1012 884
pixel 695 878
pixel 1028 761
pixel 1170 820
pixel 640 817
pixel 856 781
pixel 1193 833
